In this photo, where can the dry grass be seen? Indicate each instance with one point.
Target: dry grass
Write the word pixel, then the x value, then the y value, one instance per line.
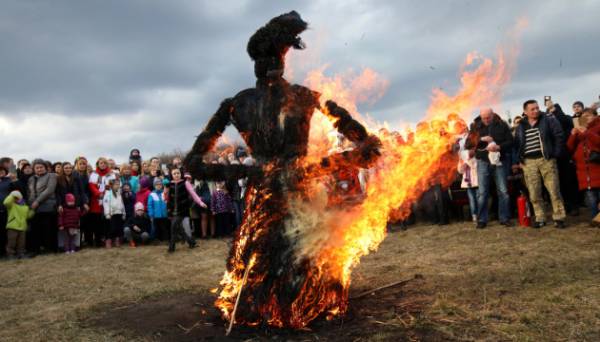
pixel 495 284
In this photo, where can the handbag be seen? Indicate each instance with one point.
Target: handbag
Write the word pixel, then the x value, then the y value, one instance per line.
pixel 593 156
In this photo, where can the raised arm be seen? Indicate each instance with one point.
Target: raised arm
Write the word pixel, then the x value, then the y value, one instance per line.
pixel 367 146
pixel 207 139
pixel 190 189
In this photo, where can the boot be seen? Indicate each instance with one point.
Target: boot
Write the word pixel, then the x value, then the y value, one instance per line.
pixel 117 242
pixel 108 243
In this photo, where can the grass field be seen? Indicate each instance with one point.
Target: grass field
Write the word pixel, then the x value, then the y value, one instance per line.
pixel 495 284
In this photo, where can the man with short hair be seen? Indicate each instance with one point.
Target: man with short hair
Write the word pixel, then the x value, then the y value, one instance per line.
pixel 577 109
pixel 492 140
pixel 539 141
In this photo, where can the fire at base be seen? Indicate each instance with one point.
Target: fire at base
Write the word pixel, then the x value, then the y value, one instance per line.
pixel 292 257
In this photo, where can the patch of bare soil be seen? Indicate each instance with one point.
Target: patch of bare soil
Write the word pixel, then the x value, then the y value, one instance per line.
pixel 386 315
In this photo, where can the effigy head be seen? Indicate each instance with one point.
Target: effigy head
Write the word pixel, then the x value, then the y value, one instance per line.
pixel 268 46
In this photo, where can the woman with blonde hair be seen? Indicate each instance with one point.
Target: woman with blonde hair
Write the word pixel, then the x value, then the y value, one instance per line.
pixel 81 171
pixel 98 184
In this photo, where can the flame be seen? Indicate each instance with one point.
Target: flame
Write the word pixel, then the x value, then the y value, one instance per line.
pixel 483 85
pixel 334 240
pixel 347 89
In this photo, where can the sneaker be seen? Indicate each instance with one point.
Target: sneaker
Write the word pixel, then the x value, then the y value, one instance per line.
pixel 193 244
pixel 538 225
pixel 560 224
pixel 73 251
pixel 132 244
pixel 507 224
pixel 481 225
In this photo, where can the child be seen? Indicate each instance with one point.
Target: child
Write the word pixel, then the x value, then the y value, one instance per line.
pixel 68 223
pixel 114 211
pixel 467 167
pixel 157 210
pixel 145 189
pixel 128 199
pixel 128 178
pixel 18 214
pixel 180 194
pixel 137 227
pixel 221 206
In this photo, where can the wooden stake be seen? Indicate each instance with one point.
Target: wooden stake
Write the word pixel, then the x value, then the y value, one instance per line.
pixel 238 298
pixel 381 288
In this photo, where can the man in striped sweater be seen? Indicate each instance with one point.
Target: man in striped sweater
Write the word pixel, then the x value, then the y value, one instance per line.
pixel 539 140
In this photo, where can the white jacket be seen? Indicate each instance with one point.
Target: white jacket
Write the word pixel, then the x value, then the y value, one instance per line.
pixel 466 163
pixel 113 205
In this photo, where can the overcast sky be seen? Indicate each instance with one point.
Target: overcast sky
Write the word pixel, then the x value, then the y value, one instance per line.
pixel 101 77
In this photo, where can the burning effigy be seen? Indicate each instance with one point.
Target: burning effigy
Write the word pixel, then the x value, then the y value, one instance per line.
pixel 292 257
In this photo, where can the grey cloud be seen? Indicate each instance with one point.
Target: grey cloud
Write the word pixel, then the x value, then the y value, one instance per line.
pixel 98 58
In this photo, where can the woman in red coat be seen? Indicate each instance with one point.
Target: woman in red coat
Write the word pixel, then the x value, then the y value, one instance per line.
pixel 98 184
pixel 581 143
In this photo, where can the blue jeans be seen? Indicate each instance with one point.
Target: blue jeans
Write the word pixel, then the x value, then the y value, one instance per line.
pixel 472 193
pixel 592 197
pixel 485 171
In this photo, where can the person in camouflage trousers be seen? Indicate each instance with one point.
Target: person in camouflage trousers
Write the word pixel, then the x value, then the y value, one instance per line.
pixel 539 140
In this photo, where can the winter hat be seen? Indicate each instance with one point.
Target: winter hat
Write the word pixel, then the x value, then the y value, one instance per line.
pixel 145 182
pixel 70 199
pixel 139 206
pixel 16 194
pixel 157 180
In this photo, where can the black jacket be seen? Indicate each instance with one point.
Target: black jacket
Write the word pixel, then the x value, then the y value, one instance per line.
pixel 5 189
pixel 179 202
pixel 21 184
pixel 550 132
pixel 85 185
pixel 143 222
pixel 75 187
pixel 497 129
pixel 566 123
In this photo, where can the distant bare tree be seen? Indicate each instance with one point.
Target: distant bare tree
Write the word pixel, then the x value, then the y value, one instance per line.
pixel 167 157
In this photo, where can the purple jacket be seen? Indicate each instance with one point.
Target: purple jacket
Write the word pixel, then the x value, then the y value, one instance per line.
pixel 221 202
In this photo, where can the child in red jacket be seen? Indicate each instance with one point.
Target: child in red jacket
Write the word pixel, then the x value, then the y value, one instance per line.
pixel 68 223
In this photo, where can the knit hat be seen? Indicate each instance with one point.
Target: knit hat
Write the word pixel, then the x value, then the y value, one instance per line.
pixel 16 194
pixel 70 199
pixel 145 182
pixel 139 206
